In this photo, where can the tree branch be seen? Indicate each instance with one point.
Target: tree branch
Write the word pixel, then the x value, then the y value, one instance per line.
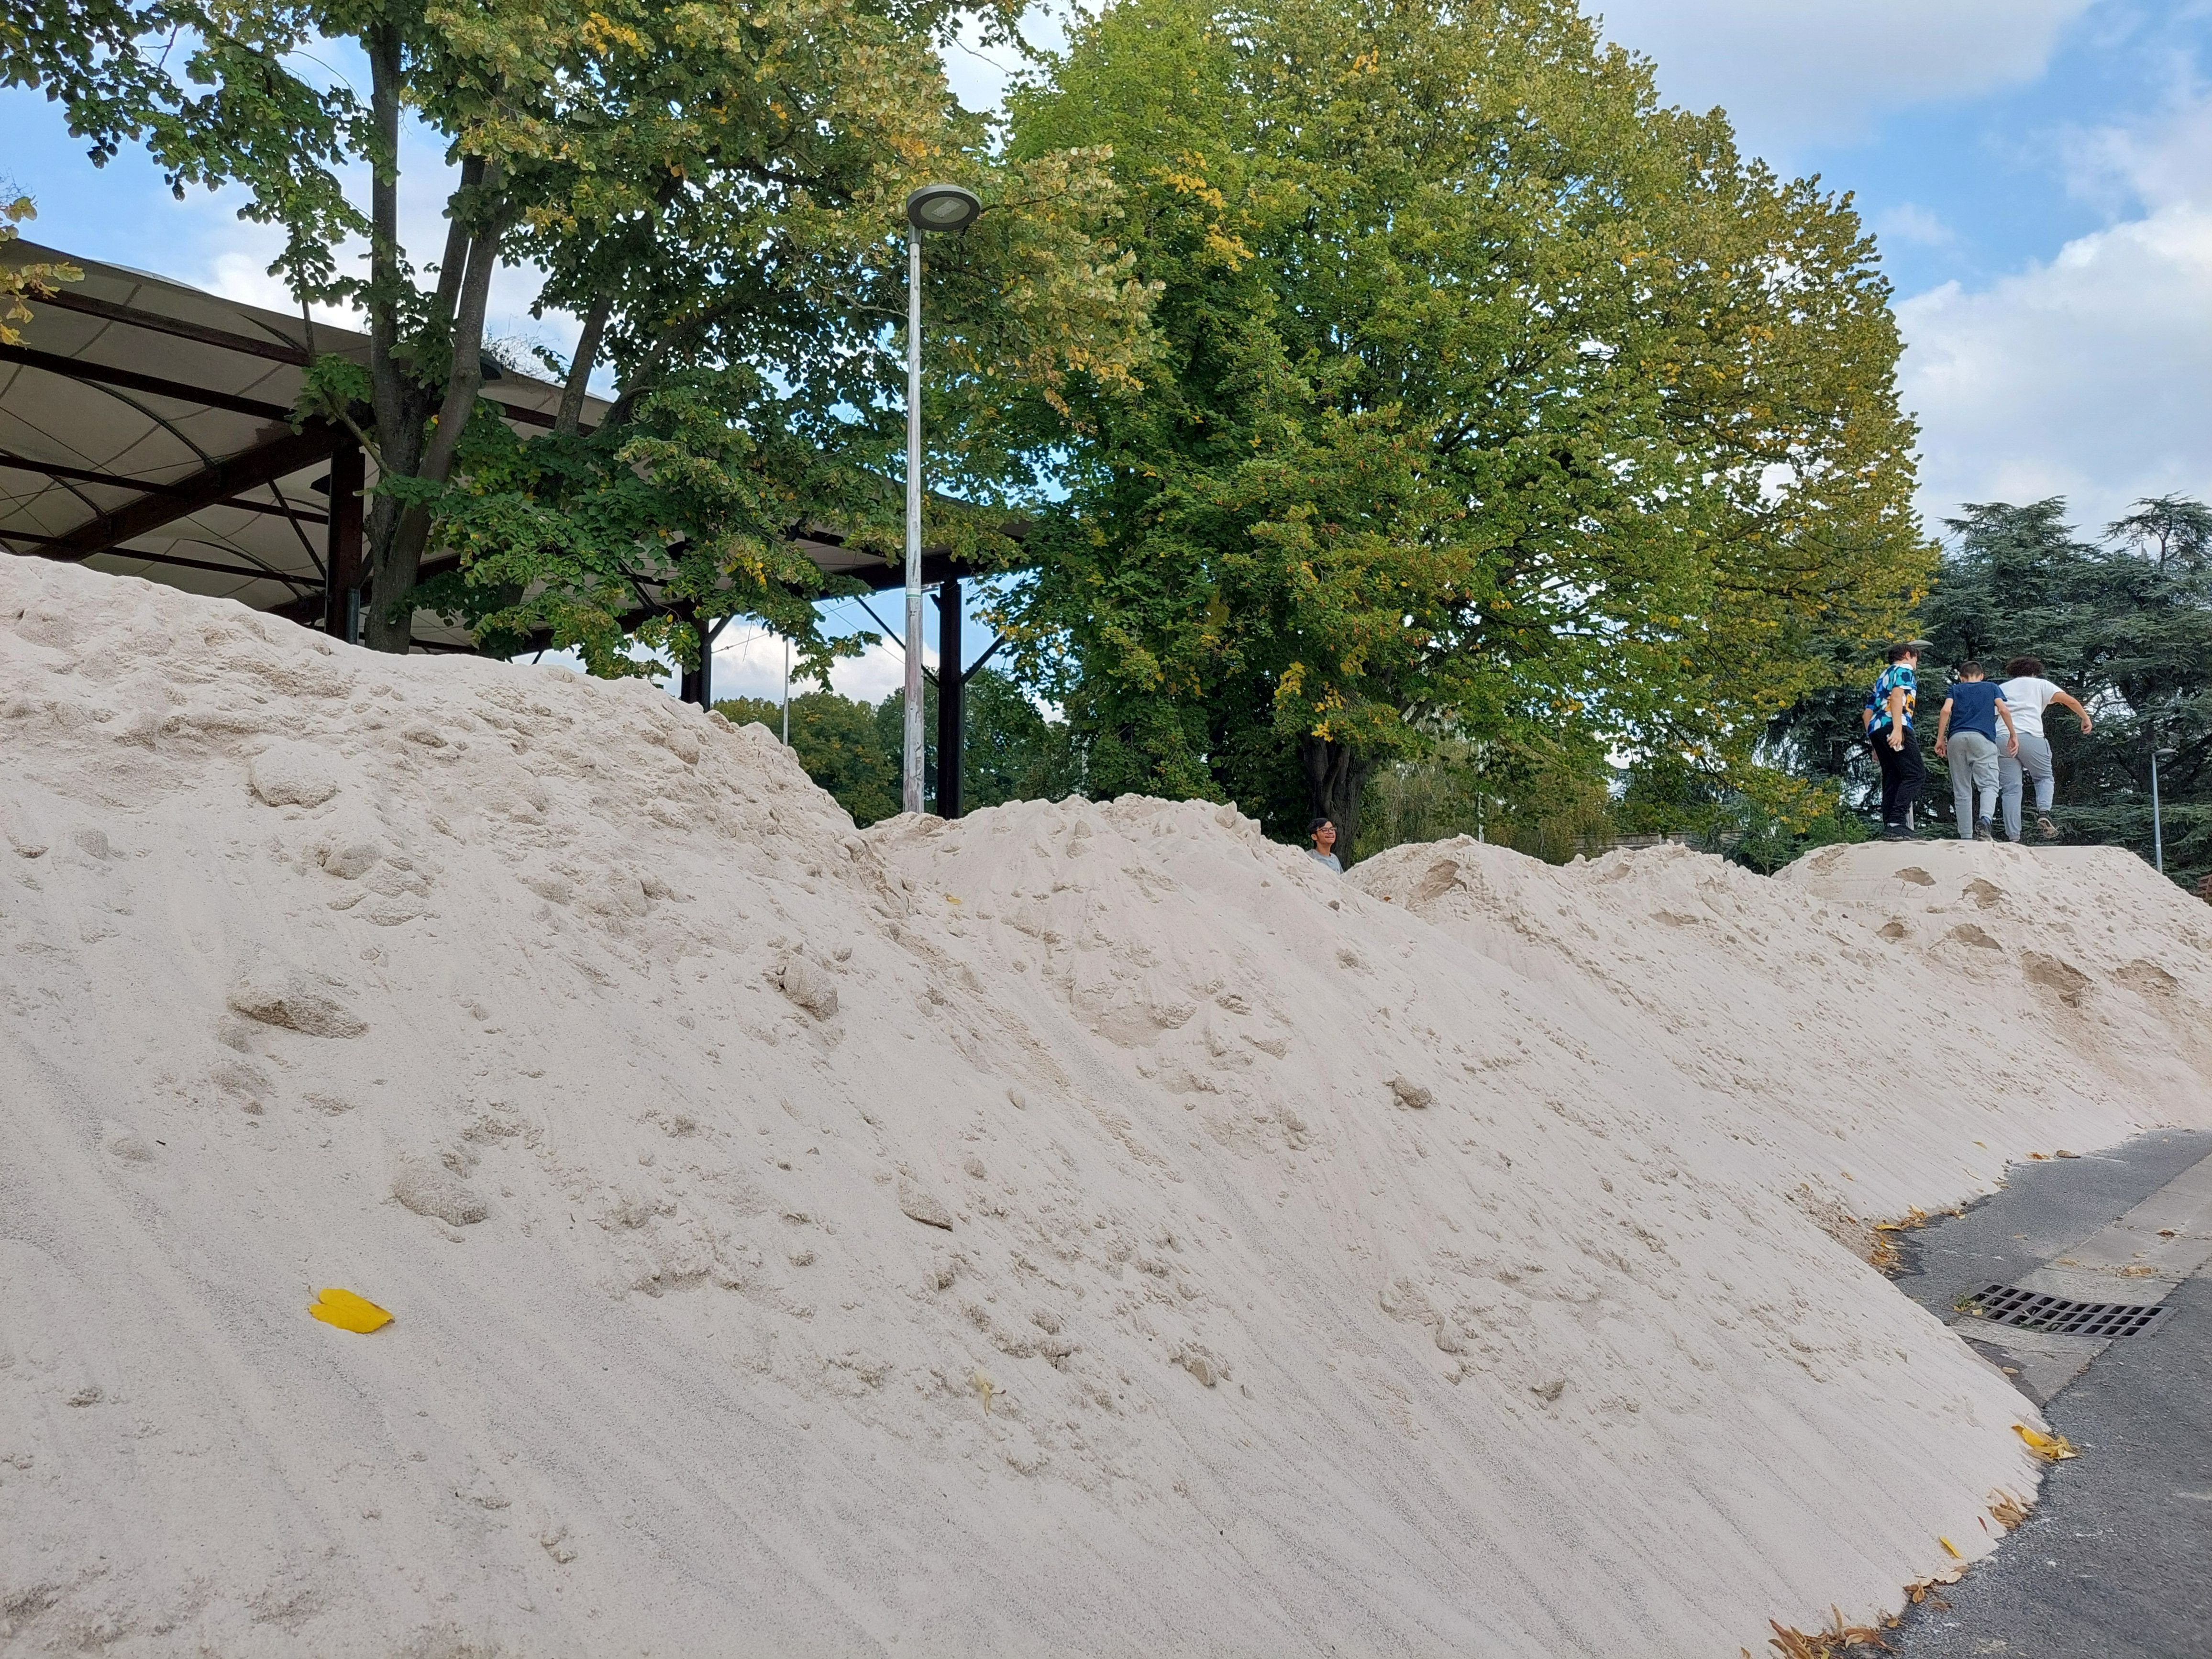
pixel 392 628
pixel 383 44
pixel 457 240
pixel 466 379
pixel 580 368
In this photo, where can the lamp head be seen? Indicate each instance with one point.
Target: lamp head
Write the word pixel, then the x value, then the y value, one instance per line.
pixel 942 207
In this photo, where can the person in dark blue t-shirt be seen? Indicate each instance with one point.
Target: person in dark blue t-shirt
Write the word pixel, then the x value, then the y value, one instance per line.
pixel 1966 741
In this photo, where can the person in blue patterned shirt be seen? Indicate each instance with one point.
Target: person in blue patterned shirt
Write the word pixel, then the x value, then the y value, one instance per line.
pixel 1896 750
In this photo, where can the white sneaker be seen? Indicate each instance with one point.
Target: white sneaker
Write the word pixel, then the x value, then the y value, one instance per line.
pixel 2048 830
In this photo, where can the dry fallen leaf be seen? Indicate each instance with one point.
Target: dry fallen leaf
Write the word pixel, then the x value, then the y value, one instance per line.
pixel 1833 1641
pixel 2051 1448
pixel 1923 1589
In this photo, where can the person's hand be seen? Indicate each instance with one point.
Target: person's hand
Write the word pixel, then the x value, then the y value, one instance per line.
pixel 1941 748
pixel 1896 738
pixel 2012 747
pixel 2085 726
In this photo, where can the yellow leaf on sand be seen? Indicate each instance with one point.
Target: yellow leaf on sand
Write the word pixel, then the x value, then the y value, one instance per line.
pixel 346 1311
pixel 1949 1548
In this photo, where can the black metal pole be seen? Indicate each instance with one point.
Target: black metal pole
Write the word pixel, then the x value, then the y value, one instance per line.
pixel 699 683
pixel 952 700
pixel 342 550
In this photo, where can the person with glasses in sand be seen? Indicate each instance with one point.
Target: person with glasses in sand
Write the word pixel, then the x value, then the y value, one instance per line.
pixel 2027 694
pixel 1324 844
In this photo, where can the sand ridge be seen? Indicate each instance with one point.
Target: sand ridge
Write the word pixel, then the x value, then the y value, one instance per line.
pixel 1085 1228
pixel 1837 994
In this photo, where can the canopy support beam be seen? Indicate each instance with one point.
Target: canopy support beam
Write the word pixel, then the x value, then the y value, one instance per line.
pixel 952 702
pixel 263 465
pixel 47 545
pixel 86 474
pixel 75 369
pixel 342 555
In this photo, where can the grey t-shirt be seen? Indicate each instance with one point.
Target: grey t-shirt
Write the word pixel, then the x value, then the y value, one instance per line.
pixel 1329 859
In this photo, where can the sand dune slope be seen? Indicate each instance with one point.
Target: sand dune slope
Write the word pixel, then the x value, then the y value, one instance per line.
pixel 1079 1229
pixel 1880 1027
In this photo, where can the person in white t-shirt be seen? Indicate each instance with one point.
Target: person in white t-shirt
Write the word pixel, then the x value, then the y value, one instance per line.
pixel 2027 694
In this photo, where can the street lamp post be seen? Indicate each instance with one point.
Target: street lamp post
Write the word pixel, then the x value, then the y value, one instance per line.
pixel 933 207
pixel 2157 828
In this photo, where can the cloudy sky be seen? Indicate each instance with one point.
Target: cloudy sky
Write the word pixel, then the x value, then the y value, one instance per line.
pixel 2039 174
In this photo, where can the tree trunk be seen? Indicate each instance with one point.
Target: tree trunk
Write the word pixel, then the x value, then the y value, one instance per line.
pixel 580 368
pixel 398 436
pixel 450 268
pixel 1335 778
pixel 699 681
pixel 403 406
pixel 392 626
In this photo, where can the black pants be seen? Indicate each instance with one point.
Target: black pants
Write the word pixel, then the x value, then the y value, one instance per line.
pixel 1902 774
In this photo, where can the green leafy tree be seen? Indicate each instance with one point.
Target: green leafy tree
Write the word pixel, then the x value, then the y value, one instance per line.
pixel 31 278
pixel 714 191
pixel 1011 751
pixel 1547 799
pixel 835 740
pixel 1501 405
pixel 2165 527
pixel 2126 627
pixel 855 751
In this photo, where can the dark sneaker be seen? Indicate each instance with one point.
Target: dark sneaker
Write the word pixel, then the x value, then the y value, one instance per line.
pixel 1891 832
pixel 1982 830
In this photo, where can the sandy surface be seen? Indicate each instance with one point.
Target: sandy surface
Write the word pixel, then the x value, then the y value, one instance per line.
pixel 1080 1230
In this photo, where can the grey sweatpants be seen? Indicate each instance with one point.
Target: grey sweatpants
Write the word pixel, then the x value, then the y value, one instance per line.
pixel 1972 759
pixel 2034 761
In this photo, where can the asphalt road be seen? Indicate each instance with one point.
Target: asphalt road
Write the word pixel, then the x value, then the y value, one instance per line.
pixel 2115 1560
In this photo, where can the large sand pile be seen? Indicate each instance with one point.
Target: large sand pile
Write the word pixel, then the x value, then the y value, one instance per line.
pixel 1939 1009
pixel 1077 1230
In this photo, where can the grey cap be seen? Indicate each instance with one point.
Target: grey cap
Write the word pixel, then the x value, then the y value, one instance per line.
pixel 1920 645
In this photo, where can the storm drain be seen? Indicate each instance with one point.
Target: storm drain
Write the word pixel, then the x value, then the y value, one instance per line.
pixel 2006 1304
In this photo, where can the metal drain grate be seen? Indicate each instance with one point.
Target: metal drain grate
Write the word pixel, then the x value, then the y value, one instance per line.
pixel 2005 1305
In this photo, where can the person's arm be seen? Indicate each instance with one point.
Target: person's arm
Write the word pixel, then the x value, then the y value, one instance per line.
pixel 1897 717
pixel 2066 701
pixel 1943 728
pixel 2012 732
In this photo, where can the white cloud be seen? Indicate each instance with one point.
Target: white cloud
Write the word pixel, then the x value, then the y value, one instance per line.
pixel 2083 378
pixel 1909 223
pixel 1791 71
pixel 749 663
pixel 242 273
pixel 2163 160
